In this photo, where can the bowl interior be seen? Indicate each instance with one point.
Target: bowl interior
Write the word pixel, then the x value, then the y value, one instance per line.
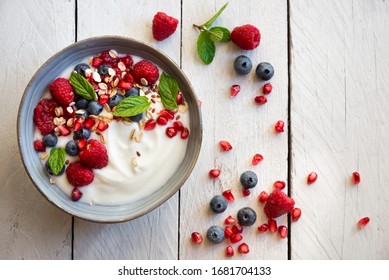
pixel 68 57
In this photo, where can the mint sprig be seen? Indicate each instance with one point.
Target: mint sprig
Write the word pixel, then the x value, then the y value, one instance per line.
pixel 82 87
pixel 132 106
pixel 206 48
pixel 57 160
pixel 168 90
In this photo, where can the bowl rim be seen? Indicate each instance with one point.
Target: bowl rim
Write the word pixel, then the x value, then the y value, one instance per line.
pixel 169 194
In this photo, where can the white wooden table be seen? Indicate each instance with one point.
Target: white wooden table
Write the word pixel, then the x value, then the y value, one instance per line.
pixel 331 83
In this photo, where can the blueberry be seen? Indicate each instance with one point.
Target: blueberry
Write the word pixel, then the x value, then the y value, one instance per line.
pixel 218 204
pixel 81 133
pixel 137 118
pixel 103 69
pixel 50 140
pixel 248 179
pixel 115 100
pixel 132 92
pixel 94 108
pixel 82 113
pixel 242 65
pixel 215 234
pixel 80 68
pixel 264 71
pixel 247 216
pixel 48 169
pixel 71 148
pixel 81 103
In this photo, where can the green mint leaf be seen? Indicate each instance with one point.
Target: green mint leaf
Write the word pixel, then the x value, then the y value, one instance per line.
pixel 222 33
pixel 132 106
pixel 205 48
pixel 215 35
pixel 209 22
pixel 168 90
pixel 57 160
pixel 82 87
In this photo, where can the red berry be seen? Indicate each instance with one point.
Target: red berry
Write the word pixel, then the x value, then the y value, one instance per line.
pixel 180 98
pixel 89 123
pixel 279 127
pixel 102 125
pixel 225 145
pixel 79 175
pixel 356 178
pixel 95 155
pixel 263 228
pixel 267 88
pixel 124 85
pixel 128 78
pixel 146 70
pixel 257 158
pixel 61 90
pixel 166 114
pixel 103 99
pixel 214 173
pixel 272 224
pixel 247 36
pixel 96 62
pixel 229 220
pixel 197 238
pixel 243 248
pixel 237 229
pixel 77 125
pixel 39 146
pixel 283 231
pixel 363 222
pixel 235 89
pixel 279 185
pixel 185 133
pixel 81 143
pixel 312 177
pixel 260 99
pixel 178 126
pixel 127 60
pixel 277 204
pixel 107 58
pixel 161 120
pixel 171 132
pixel 296 214
pixel 245 192
pixel 229 251
pixel 44 114
pixel 76 194
pixel 263 196
pixel 150 124
pixel 228 232
pixel 236 238
pixel 163 26
pixel 228 195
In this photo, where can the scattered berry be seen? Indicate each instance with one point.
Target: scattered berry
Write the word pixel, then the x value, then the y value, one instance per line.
pixel 242 65
pixel 263 228
pixel 296 214
pixel 80 68
pixel 96 62
pixel 245 192
pixel 229 251
pixel 260 99
pixel 95 155
pixel 225 145
pixel 50 172
pixel 279 127
pixel 81 143
pixel 272 224
pixel 312 177
pixel 103 70
pixel 215 234
pixel 235 89
pixel 50 140
pixel 363 222
pixel 243 248
pixel 134 91
pixel 137 118
pixel 196 238
pixel 264 71
pixel 163 26
pixel 235 238
pixel 44 114
pixel 263 196
pixel 171 132
pixel 79 175
pixel 76 194
pixel 39 146
pixel 127 60
pixel 257 158
pixel 228 195
pixel 267 88
pixel 61 91
pixel 71 148
pixel 356 178
pixel 246 216
pixel 247 37
pixel 229 220
pixel 115 100
pixel 218 204
pixel 82 133
pixel 81 103
pixel 283 231
pixel 146 70
pixel 248 179
pixel 214 173
pixel 277 204
pixel 94 108
pixel 279 185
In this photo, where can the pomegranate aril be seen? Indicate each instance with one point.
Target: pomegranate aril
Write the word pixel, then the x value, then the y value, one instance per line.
pixel 257 158
pixel 162 120
pixel 279 127
pixel 263 228
pixel 245 192
pixel 356 178
pixel 39 146
pixel 236 238
pixel 76 194
pixel 279 185
pixel 283 231
pixel 103 99
pixel 235 89
pixel 225 145
pixel 81 143
pixel 124 85
pixel 96 62
pixel 296 214
pixel 228 195
pixel 263 197
pixel 272 224
pixel 128 79
pixel 267 88
pixel 243 248
pixel 214 173
pixel 312 177
pixel 228 232
pixel 185 133
pixel 77 125
pixel 180 99
pixel 229 220
pixel 260 99
pixel 196 238
pixel 238 228
pixel 171 132
pixel 150 124
pixel 229 251
pixel 102 125
pixel 63 130
pixel 89 123
pixel 167 114
pixel 363 222
pixel 178 126
pixel 127 60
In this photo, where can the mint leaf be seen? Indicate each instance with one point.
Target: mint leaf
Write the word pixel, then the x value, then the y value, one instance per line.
pixel 209 22
pixel 132 106
pixel 57 160
pixel 222 33
pixel 205 48
pixel 168 90
pixel 82 87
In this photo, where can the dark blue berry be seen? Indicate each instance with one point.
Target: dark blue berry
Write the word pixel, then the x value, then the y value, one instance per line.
pixel 48 169
pixel 264 71
pixel 94 108
pixel 71 148
pixel 242 65
pixel 82 113
pixel 103 69
pixel 134 91
pixel 115 100
pixel 215 234
pixel 218 204
pixel 81 133
pixel 248 179
pixel 50 140
pixel 137 118
pixel 80 68
pixel 246 216
pixel 81 103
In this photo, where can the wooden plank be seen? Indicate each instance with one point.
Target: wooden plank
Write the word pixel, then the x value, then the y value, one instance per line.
pixel 340 66
pixel 247 126
pixel 154 236
pixel 31 228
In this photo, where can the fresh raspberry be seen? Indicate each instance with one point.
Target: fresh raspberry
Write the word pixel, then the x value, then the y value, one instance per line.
pixel 247 36
pixel 95 155
pixel 79 175
pixel 62 92
pixel 163 26
pixel 145 69
pixel 277 204
pixel 44 114
pixel 39 146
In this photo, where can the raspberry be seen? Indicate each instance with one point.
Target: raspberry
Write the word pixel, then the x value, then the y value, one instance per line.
pixel 277 204
pixel 39 146
pixel 247 36
pixel 163 26
pixel 145 69
pixel 79 175
pixel 61 91
pixel 44 114
pixel 95 155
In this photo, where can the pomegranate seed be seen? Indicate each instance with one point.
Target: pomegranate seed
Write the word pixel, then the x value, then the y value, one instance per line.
pixel 260 99
pixel 63 130
pixel 283 231
pixel 263 228
pixel 128 79
pixel 267 88
pixel 356 178
pixel 161 120
pixel 229 251
pixel 180 98
pixel 363 222
pixel 96 62
pixel 235 89
pixel 103 99
pixel 102 125
pixel 89 123
pixel 184 133
pixel 238 228
pixel 225 145
pixel 196 238
pixel 257 158
pixel 296 214
pixel 150 124
pixel 236 238
pixel 124 85
pixel 228 232
pixel 243 248
pixel 245 192
pixel 171 132
pixel 167 114
pixel 229 220
pixel 77 125
pixel 228 195
pixel 76 194
pixel 127 60
pixel 178 126
pixel 214 173
pixel 263 197
pixel 312 177
pixel 39 146
pixel 279 127
pixel 279 185
pixel 81 143
pixel 272 224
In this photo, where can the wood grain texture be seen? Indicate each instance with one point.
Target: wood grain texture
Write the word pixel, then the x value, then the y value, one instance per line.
pixel 154 236
pixel 340 67
pixel 247 126
pixel 31 228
